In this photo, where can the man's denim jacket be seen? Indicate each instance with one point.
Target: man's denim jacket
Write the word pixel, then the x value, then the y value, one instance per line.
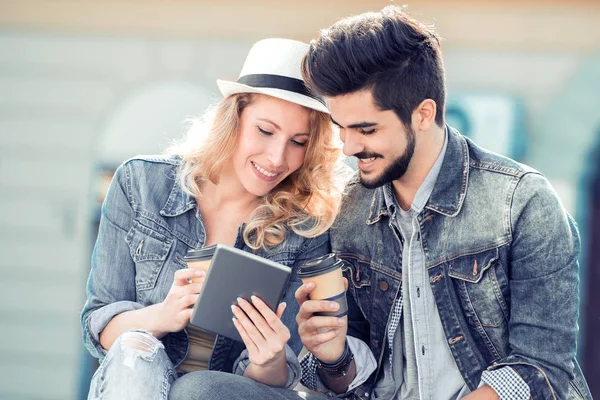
pixel 148 224
pixel 501 255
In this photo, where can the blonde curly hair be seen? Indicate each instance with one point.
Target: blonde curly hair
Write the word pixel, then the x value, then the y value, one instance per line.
pixel 307 201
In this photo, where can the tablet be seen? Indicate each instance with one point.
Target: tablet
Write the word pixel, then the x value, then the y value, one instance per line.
pixel 235 273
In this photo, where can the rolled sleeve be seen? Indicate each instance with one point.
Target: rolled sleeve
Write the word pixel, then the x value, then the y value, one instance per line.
pixel 363 358
pixel 294 371
pixel 507 384
pixel 97 321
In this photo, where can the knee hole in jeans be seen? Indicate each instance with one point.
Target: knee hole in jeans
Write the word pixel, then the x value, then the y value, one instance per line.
pixel 139 344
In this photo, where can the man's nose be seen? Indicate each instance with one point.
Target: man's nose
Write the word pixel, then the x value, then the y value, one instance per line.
pixel 352 143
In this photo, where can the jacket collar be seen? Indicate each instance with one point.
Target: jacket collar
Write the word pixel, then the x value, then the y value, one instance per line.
pixel 450 188
pixel 178 202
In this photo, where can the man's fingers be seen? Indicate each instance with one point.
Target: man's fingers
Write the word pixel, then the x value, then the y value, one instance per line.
pixel 183 276
pixel 319 322
pixel 320 338
pixel 314 306
pixel 345 284
pixel 303 291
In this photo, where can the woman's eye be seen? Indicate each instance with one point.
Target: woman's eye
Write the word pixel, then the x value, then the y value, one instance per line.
pixel 264 132
pixel 300 144
pixel 367 131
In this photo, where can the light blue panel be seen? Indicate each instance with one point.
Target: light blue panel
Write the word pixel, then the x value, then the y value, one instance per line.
pixel 492 120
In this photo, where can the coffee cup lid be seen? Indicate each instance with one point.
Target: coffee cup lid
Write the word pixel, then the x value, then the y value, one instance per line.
pixel 319 266
pixel 204 253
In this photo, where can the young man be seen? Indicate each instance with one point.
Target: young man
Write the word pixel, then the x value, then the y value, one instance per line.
pixel 462 264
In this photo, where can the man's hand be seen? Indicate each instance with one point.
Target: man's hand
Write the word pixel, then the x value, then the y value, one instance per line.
pixel 324 337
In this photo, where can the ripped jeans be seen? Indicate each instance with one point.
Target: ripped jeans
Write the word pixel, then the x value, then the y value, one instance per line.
pixel 136 367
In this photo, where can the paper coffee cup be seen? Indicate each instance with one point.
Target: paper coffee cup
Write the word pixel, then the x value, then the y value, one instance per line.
pixel 326 273
pixel 200 259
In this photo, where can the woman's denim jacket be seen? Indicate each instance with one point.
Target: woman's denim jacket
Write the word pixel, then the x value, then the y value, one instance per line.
pixel 501 254
pixel 148 224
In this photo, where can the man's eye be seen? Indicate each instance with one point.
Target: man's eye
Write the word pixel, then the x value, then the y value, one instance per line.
pixel 367 131
pixel 264 132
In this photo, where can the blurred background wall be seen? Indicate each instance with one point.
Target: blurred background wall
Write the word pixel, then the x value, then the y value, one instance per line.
pixel 86 84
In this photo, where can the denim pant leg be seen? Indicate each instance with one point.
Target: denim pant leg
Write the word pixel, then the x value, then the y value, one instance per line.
pixel 216 385
pixel 136 367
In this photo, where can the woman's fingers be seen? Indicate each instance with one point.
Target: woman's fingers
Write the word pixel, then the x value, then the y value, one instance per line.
pixel 184 276
pixel 192 288
pixel 280 309
pixel 241 313
pixel 250 345
pixel 187 313
pixel 187 301
pixel 272 319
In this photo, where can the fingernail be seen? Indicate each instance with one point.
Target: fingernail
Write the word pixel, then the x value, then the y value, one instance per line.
pixel 310 285
pixel 284 304
pixel 254 298
pixel 240 300
pixel 234 320
pixel 333 306
pixel 199 272
pixel 233 308
pixel 340 321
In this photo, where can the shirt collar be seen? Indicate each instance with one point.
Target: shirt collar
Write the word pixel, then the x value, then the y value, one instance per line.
pixel 424 191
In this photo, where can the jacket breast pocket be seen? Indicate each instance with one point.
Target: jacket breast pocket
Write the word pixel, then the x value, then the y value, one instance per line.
pixel 358 272
pixel 149 250
pixel 475 281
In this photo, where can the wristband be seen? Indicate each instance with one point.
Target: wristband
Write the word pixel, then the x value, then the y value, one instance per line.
pixel 340 366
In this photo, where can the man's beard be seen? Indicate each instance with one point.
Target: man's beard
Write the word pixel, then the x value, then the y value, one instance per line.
pixel 396 169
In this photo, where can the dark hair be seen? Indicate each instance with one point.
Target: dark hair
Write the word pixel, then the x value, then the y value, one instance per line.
pixel 394 55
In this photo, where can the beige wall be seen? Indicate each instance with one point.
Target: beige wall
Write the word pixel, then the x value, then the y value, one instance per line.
pixel 537 24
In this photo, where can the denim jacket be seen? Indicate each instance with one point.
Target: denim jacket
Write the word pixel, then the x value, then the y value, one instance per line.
pixel 147 226
pixel 501 256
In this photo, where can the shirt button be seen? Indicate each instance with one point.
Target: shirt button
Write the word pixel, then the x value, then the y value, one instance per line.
pixel 383 285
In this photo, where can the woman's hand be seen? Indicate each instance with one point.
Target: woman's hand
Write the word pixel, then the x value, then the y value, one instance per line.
pixel 175 311
pixel 265 337
pixel 262 331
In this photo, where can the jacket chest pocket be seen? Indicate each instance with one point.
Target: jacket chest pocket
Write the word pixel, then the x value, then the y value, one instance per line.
pixel 358 273
pixel 475 281
pixel 149 250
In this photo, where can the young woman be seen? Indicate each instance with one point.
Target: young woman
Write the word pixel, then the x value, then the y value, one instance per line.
pixel 258 173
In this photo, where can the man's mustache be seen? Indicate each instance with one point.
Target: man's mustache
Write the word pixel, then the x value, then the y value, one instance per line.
pixel 365 154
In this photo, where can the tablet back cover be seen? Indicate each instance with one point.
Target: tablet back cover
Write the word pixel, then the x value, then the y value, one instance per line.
pixel 235 273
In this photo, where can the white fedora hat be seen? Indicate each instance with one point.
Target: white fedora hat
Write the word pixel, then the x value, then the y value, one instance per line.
pixel 273 67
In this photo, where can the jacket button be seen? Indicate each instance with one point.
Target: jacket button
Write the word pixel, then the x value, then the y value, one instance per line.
pixel 383 285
